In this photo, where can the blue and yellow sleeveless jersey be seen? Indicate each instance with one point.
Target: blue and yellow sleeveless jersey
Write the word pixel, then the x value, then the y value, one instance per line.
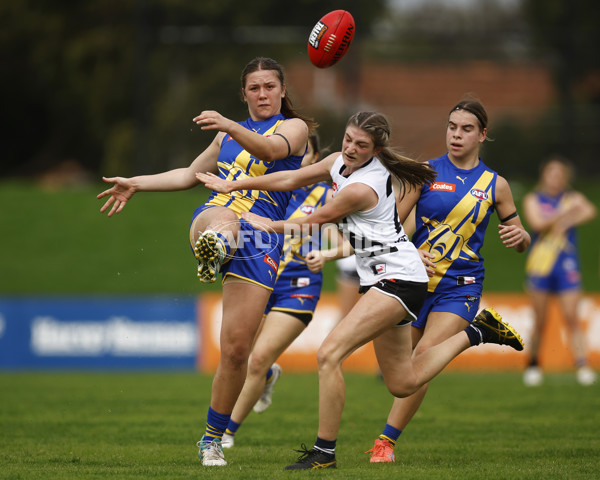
pixel 451 218
pixel 236 163
pixel 552 261
pixel 303 202
pixel 297 289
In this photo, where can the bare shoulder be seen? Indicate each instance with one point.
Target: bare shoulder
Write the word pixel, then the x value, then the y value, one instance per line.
pixel 293 124
pixel 503 190
pixel 330 159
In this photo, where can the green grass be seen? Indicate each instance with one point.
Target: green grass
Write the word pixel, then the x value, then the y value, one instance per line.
pixel 145 425
pixel 57 242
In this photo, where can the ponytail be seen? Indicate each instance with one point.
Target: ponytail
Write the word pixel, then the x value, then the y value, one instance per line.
pixel 407 171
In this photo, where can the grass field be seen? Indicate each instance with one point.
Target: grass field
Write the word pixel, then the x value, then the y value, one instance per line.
pixel 57 242
pixel 145 425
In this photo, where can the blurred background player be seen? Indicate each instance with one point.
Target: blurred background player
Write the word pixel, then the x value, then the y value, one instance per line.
pixel 451 216
pixel 553 211
pixel 291 305
pixel 273 138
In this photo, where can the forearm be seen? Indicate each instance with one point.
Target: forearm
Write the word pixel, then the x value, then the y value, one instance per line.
pixel 279 181
pixel 260 146
pixel 177 179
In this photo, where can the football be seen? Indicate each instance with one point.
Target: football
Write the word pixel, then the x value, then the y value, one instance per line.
pixel 330 38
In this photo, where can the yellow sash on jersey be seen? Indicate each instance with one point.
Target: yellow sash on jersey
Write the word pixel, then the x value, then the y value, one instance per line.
pixel 544 253
pixel 449 238
pixel 546 249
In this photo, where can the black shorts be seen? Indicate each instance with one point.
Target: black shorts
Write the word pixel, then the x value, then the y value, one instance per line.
pixel 410 294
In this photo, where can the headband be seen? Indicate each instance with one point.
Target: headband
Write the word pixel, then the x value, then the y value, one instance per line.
pixel 466 109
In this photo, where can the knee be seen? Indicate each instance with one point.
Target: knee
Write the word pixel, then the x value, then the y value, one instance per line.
pixel 400 383
pixel 401 389
pixel 421 348
pixel 235 355
pixel 259 363
pixel 326 358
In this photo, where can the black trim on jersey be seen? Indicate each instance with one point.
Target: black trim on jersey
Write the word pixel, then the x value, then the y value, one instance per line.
pixel 343 167
pixel 360 243
pixel 376 253
pixel 388 188
pixel 397 223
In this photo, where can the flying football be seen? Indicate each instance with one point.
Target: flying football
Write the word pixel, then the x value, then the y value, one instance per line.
pixel 330 38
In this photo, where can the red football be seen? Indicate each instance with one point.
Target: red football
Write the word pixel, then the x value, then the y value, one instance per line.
pixel 330 38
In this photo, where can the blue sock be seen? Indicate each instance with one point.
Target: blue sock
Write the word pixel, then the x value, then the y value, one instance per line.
pixel 216 423
pixel 325 446
pixel 269 374
pixel 232 427
pixel 390 434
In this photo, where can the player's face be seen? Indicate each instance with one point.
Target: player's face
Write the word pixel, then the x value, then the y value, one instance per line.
pixel 463 135
pixel 263 93
pixel 357 148
pixel 555 177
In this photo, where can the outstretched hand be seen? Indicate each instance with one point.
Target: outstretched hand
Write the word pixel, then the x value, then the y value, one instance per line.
pixel 120 193
pixel 214 182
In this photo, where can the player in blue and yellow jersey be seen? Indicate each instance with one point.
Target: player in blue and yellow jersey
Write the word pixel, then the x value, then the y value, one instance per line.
pixel 291 306
pixel 273 138
pixel 450 217
pixel 553 211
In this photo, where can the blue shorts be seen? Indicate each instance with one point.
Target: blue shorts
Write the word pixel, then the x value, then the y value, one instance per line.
pixel 256 258
pixel 291 295
pixel 564 276
pixel 461 302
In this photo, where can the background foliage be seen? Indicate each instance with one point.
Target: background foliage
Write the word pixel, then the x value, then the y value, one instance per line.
pixel 113 85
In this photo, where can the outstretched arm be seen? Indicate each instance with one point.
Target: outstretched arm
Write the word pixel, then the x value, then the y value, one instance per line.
pixel 123 189
pixel 279 181
pixel 362 197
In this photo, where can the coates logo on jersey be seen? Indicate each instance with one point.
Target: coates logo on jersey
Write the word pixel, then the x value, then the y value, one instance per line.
pixel 480 194
pixel 442 187
pixel 271 262
pixel 307 209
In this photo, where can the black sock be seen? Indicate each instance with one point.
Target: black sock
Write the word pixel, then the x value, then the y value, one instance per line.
pixel 476 336
pixel 325 446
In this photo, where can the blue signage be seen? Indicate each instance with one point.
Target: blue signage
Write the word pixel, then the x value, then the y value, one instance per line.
pixel 98 332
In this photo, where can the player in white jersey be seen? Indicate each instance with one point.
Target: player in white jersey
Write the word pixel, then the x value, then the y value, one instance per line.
pixel 392 275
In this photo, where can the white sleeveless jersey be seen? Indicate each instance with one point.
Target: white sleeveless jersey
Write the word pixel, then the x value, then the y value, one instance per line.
pixel 383 251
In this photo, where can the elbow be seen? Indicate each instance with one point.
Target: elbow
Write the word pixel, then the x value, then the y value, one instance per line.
pixel 269 157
